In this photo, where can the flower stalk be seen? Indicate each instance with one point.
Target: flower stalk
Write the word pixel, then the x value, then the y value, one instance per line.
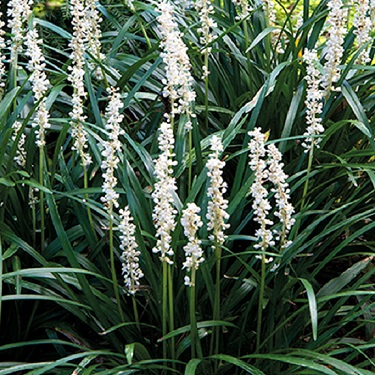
pixel 261 207
pixel 76 77
pixel 109 166
pixel 178 82
pixel 164 216
pixel 314 108
pixel 40 84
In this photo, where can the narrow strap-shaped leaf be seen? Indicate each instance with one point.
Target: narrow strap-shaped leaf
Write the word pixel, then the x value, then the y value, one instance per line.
pixel 66 245
pixel 192 366
pixel 312 307
pixel 358 110
pixel 239 363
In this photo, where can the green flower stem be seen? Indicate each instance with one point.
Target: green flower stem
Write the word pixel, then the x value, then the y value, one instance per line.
pixel 41 199
pixel 135 311
pixel 113 268
pixel 147 39
pixel 164 306
pixel 171 312
pixel 306 186
pixel 206 86
pixel 13 79
pixel 33 214
pixel 261 297
pixel 85 186
pixel 195 342
pixel 248 56
pixel 190 159
pixel 214 348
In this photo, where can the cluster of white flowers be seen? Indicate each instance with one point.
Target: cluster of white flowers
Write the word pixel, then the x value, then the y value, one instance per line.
pixel 314 100
pixel 178 81
pixel 269 9
pixel 94 35
pixel 261 204
pixel 217 205
pixel 205 9
pixel 299 21
pixel 40 84
pixel 245 7
pixel 363 26
pixel 20 157
pixel 33 200
pixel 285 209
pixel 2 57
pixel 336 21
pixel 18 14
pixel 164 188
pixel 110 160
pixel 130 256
pixel 130 5
pixel 372 12
pixel 76 77
pixel 191 223
pixel 270 170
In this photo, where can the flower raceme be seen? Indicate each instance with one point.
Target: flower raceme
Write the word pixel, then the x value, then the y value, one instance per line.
pixel 336 21
pixel 217 205
pixel 21 156
pixel 267 165
pixel 77 72
pixel 191 223
pixel 130 256
pixel 284 209
pixel 164 188
pixel 40 84
pixel 314 101
pixel 18 13
pixel 363 25
pixel 245 8
pixel 2 57
pixel 261 204
pixel 94 35
pixel 205 9
pixel 110 159
pixel 178 81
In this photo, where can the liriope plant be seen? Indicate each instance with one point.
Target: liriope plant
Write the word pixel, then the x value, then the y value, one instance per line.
pixel 307 310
